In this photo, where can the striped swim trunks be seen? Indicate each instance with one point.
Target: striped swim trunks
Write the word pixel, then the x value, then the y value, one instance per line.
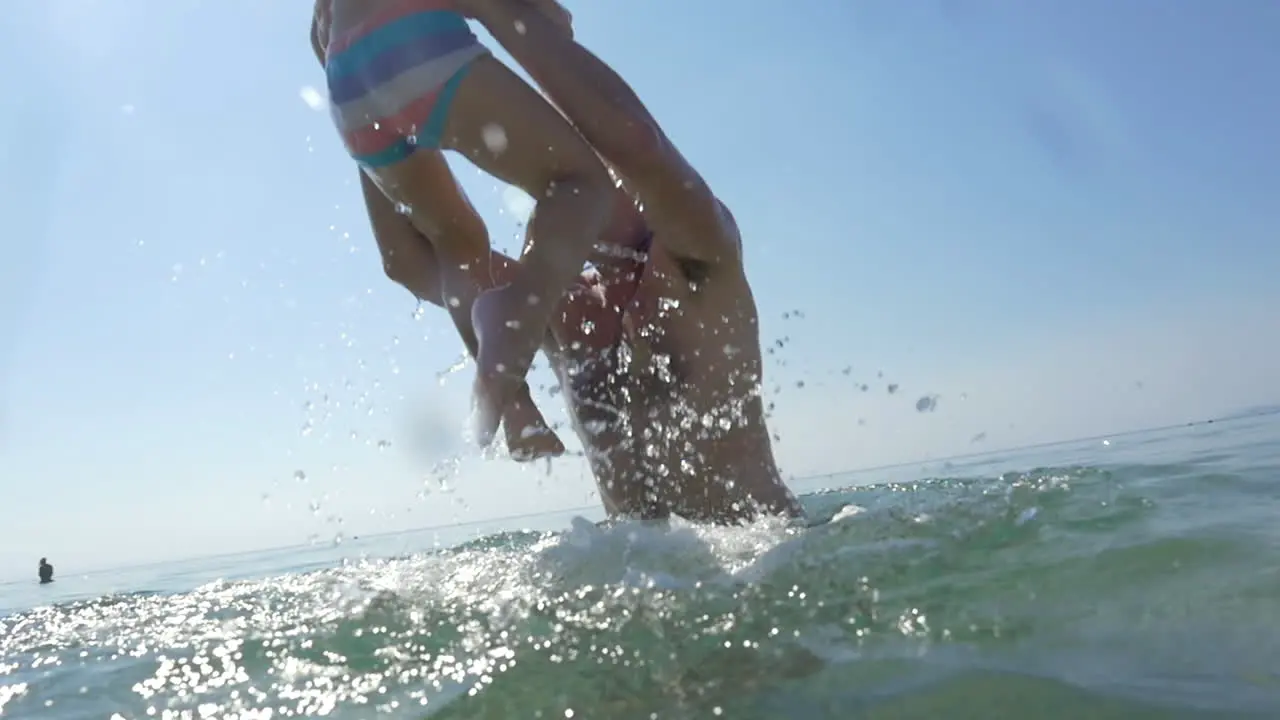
pixel 392 78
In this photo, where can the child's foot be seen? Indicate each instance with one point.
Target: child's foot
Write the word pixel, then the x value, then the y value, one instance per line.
pixel 529 437
pixel 506 351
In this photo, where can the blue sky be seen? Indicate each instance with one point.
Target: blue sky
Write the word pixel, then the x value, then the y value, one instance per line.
pixel 1052 216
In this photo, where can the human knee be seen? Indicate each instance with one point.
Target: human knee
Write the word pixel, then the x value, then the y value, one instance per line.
pixel 456 236
pixel 405 270
pixel 464 250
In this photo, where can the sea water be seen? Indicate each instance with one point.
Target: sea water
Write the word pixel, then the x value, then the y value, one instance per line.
pixel 1133 577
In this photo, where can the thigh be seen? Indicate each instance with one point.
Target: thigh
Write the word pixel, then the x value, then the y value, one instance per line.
pixel 424 187
pixel 407 255
pixel 504 126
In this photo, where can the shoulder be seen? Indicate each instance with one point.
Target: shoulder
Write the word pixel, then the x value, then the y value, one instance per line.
pixel 719 242
pixel 729 228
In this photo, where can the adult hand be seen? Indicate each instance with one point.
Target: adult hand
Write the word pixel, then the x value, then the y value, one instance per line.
pixel 557 13
pixel 489 11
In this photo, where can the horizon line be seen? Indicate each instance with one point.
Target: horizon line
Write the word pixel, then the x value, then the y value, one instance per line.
pixel 1253 412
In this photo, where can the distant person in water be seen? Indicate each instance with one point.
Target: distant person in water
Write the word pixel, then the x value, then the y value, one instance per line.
pixel 659 350
pixel 46 572
pixel 408 79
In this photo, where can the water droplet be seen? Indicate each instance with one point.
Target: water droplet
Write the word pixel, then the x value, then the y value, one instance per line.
pixel 459 364
pixel 520 28
pixel 495 138
pixel 311 97
pixel 299 476
pixel 455 302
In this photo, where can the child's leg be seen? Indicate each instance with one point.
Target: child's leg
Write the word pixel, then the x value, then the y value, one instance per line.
pixel 411 258
pixel 505 127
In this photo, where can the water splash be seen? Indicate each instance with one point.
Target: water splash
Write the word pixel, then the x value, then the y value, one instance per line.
pixel 457 366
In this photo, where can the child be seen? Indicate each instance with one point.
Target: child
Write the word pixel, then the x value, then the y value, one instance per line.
pixel 408 79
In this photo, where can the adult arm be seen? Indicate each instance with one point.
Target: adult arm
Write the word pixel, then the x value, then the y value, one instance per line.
pixel 616 123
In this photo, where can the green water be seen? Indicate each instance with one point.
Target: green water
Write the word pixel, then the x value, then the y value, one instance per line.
pixel 1136 579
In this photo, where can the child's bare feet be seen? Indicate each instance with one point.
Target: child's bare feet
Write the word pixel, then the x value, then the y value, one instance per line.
pixel 529 437
pixel 508 343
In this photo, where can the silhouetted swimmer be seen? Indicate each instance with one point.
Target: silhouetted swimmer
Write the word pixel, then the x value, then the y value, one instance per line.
pixel 46 572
